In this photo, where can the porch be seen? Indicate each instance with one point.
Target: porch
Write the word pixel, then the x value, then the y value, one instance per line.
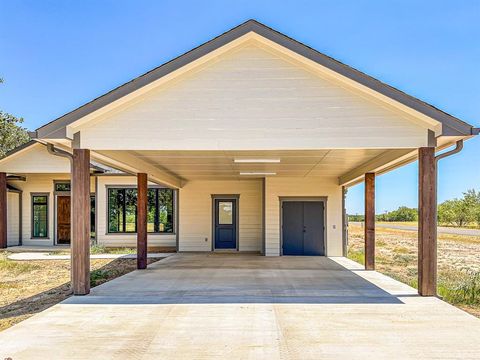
pixel 248 306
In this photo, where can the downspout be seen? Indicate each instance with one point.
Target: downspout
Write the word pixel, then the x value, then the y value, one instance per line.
pixel 457 149
pixel 54 151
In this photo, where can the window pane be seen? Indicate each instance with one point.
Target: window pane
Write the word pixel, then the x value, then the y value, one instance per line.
pixel 130 210
pixel 40 200
pixel 62 186
pixel 165 210
pixel 40 219
pixel 122 210
pixel 225 212
pixel 116 200
pixel 151 210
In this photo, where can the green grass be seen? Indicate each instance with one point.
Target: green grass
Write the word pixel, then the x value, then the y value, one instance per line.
pixel 15 267
pixel 101 249
pixel 459 287
pixel 99 276
pixel 356 255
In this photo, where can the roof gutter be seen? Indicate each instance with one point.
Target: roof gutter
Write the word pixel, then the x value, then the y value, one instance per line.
pixel 457 149
pixel 57 152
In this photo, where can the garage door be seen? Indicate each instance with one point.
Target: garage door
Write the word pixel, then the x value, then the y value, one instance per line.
pixel 303 228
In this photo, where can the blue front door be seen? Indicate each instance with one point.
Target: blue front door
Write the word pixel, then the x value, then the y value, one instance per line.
pixel 303 228
pixel 225 224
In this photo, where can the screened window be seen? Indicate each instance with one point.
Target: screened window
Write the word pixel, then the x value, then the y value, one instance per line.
pixel 40 216
pixel 122 210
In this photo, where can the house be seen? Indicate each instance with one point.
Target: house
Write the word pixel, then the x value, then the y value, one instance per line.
pixel 245 143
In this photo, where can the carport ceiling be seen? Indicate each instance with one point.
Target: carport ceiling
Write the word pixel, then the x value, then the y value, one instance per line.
pixel 197 165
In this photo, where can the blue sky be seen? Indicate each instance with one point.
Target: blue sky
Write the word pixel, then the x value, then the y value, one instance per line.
pixel 57 55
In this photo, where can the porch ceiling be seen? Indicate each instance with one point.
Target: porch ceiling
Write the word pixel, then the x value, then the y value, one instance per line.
pixel 205 165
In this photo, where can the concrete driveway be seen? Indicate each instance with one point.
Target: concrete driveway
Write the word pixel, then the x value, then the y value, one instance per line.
pixel 220 306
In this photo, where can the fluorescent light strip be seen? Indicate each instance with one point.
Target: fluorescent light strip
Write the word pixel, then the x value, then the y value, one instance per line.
pixel 250 161
pixel 257 173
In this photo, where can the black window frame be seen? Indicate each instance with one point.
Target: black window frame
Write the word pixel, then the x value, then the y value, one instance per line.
pixel 57 183
pixel 124 212
pixel 47 205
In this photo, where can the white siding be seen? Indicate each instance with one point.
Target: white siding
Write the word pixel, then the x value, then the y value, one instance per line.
pixel 303 187
pixel 37 183
pixel 35 159
pixel 196 213
pixel 252 98
pixel 13 220
pixel 119 240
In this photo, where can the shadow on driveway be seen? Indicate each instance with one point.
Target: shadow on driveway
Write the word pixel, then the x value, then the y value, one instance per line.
pixel 238 278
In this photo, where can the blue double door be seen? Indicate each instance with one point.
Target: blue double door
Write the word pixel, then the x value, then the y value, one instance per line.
pixel 225 223
pixel 303 228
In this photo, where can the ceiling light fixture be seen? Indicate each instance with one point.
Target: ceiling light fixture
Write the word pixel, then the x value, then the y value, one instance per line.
pixel 258 173
pixel 251 161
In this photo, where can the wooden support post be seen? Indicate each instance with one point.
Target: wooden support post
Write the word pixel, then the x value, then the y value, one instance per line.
pixel 142 204
pixel 3 210
pixel 370 221
pixel 81 222
pixel 427 222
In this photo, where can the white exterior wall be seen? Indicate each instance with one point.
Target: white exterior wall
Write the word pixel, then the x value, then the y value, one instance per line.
pixel 119 240
pixel 37 183
pixel 196 213
pixel 303 187
pixel 252 98
pixel 34 159
pixel 13 220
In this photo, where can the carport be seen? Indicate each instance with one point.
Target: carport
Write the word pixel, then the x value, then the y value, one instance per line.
pixel 213 306
pixel 246 121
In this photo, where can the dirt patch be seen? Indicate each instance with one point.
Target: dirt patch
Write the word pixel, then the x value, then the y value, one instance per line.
pixel 28 287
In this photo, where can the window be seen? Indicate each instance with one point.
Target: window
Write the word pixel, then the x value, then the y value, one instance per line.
pixel 225 212
pixel 62 186
pixel 40 216
pixel 122 210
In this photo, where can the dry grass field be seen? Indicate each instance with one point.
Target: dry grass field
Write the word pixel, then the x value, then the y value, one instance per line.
pixel 458 262
pixel 28 287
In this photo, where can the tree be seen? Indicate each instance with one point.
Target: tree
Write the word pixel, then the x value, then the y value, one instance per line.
pixel 12 134
pixel 460 212
pixel 447 212
pixel 403 213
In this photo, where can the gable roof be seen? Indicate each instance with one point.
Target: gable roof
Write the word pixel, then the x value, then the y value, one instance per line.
pixel 94 165
pixel 455 126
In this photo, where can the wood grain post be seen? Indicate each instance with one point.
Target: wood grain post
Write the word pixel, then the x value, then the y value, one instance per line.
pixel 427 222
pixel 3 210
pixel 142 204
pixel 370 221
pixel 81 222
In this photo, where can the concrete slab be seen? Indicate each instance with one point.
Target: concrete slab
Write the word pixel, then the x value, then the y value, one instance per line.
pixel 217 306
pixel 26 256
